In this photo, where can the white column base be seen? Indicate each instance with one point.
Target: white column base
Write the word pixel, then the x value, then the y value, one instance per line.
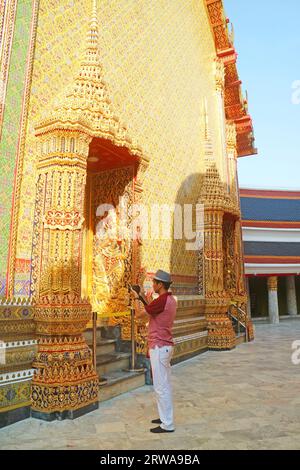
pixel 273 307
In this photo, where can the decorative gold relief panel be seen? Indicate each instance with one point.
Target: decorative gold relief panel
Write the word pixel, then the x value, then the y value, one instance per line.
pixel 109 244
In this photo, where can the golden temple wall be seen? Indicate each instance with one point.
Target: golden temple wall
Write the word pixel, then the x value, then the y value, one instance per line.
pixel 157 58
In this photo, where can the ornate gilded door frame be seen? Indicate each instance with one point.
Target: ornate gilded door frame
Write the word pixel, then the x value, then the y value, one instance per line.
pixel 110 251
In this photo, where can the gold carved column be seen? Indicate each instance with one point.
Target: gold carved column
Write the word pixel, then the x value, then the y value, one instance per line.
pixel 139 272
pixel 65 382
pixel 220 331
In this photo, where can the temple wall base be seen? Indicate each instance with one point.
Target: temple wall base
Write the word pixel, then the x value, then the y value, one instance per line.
pixel 18 346
pixel 67 414
pixel 13 416
pixel 221 335
pixel 65 379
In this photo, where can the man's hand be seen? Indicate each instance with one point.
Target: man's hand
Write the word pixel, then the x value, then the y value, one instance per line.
pixel 138 294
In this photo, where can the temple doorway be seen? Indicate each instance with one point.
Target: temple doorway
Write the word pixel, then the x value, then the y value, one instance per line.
pixel 108 254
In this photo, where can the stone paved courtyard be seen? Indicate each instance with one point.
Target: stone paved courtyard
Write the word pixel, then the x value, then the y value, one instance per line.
pixel 248 398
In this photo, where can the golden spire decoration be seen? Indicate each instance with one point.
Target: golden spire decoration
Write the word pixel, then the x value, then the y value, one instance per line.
pixel 93 31
pixel 212 189
pixel 86 105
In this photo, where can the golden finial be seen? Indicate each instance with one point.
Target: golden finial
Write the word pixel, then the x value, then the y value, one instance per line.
pixel 94 18
pixel 92 34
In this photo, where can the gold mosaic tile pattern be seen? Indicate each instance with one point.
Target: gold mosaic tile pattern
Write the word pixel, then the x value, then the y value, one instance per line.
pixel 158 65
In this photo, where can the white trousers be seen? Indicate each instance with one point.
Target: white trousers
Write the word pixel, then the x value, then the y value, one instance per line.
pixel 160 359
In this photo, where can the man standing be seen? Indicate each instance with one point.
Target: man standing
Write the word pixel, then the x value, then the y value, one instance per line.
pixel 162 312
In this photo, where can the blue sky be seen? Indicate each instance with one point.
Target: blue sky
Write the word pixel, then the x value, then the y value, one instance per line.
pixel 267 40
